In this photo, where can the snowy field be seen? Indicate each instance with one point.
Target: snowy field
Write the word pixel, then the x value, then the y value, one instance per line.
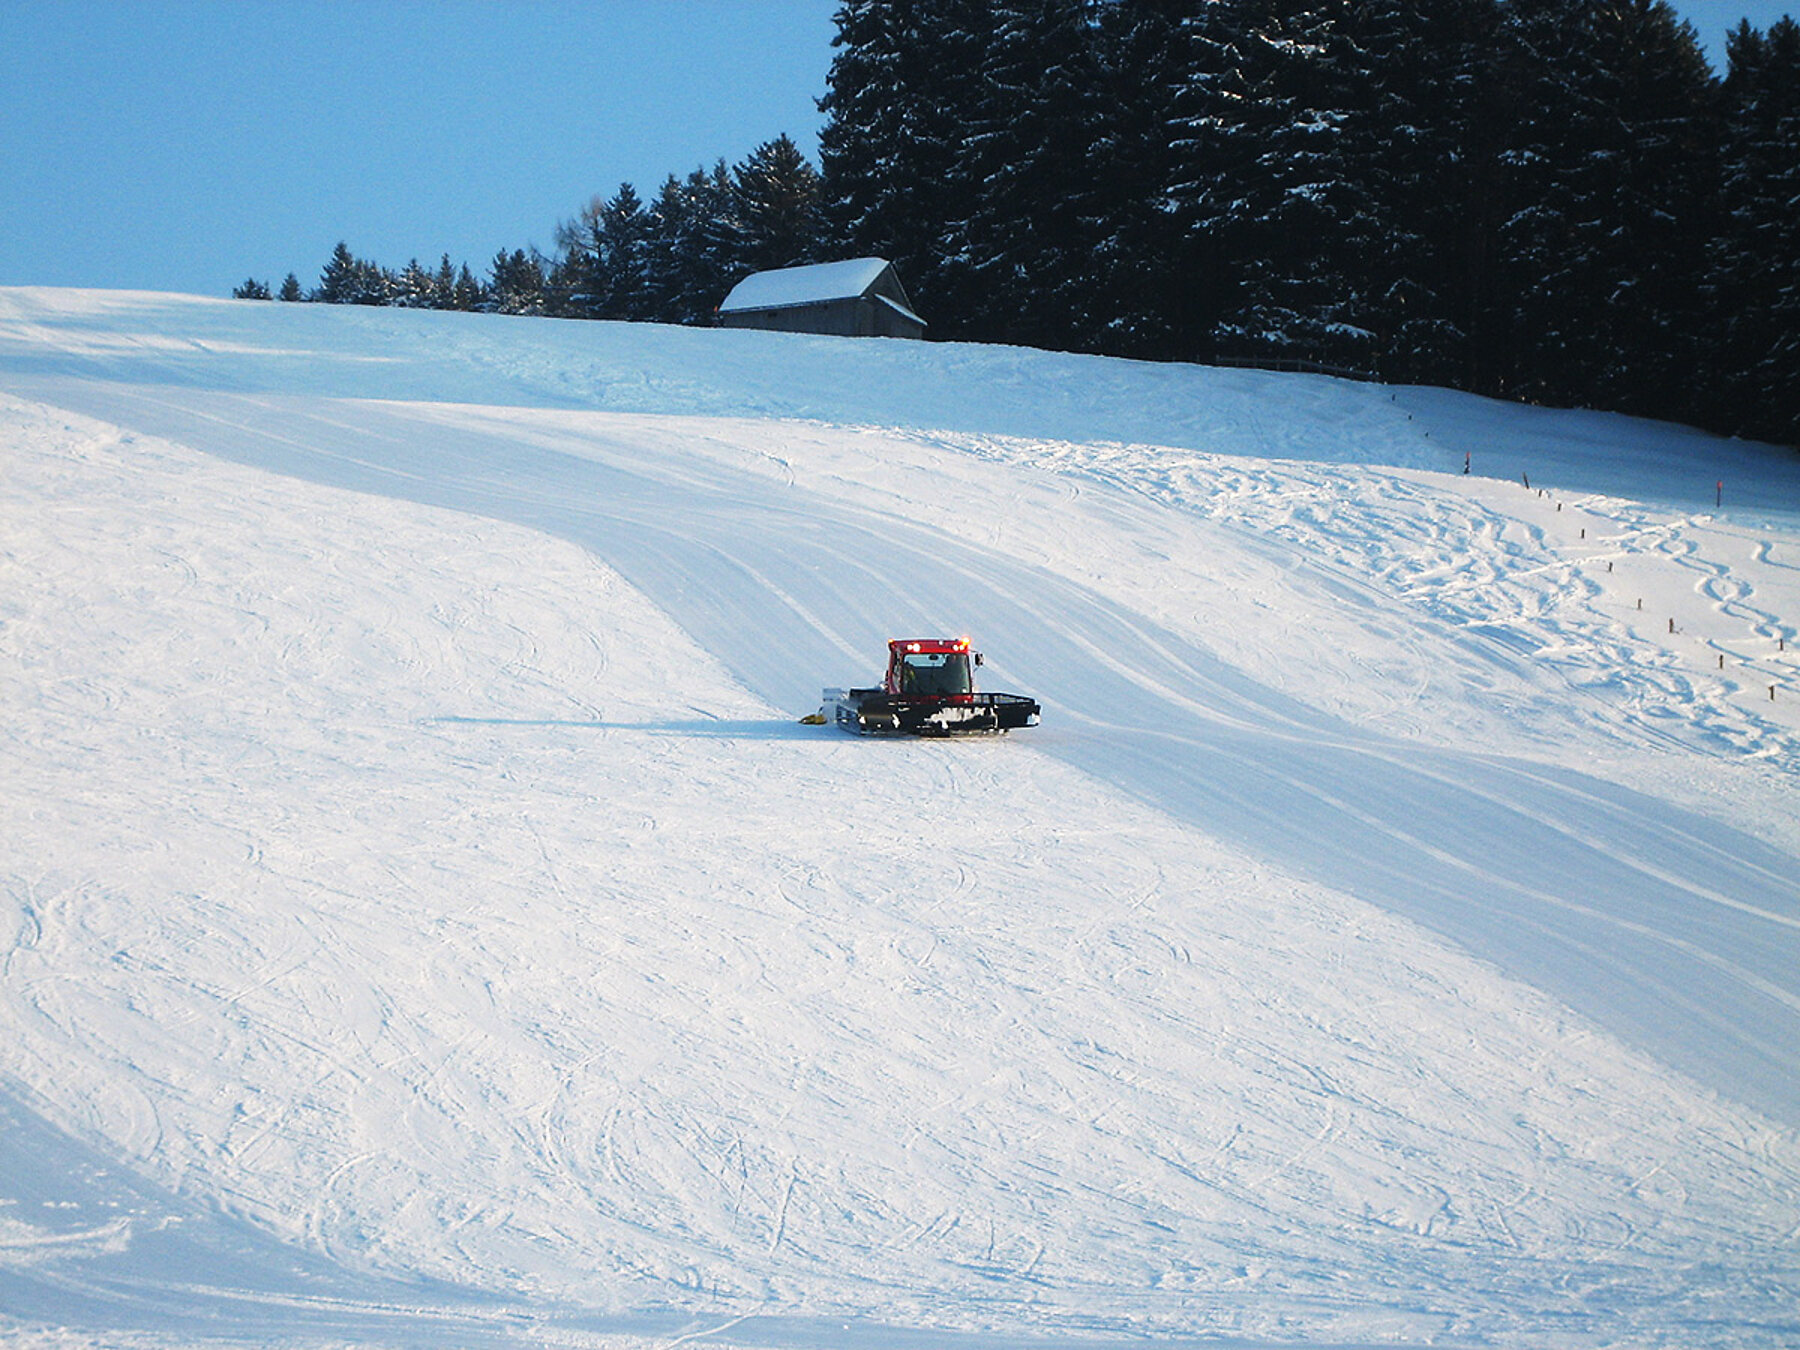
pixel 425 921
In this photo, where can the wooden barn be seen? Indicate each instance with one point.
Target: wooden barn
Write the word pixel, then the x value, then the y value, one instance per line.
pixel 860 297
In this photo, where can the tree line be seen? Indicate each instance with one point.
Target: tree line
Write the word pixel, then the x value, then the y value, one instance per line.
pixel 1549 200
pixel 669 260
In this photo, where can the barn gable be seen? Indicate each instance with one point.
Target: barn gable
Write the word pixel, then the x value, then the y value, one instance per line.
pixel 859 297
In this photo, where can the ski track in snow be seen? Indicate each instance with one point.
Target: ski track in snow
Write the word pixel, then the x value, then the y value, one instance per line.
pixel 423 892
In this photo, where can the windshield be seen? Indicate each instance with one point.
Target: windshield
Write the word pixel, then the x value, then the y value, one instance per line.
pixel 935 673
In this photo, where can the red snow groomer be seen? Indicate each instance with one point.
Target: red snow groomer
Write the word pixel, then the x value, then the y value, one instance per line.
pixel 929 691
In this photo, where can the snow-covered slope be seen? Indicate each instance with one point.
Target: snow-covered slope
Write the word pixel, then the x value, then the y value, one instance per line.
pixel 424 919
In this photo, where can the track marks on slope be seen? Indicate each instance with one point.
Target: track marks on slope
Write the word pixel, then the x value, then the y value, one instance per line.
pixel 1041 1105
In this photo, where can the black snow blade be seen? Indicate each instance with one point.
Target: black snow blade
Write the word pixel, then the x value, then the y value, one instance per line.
pixel 966 715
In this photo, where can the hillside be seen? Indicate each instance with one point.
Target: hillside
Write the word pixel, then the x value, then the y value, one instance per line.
pixel 426 921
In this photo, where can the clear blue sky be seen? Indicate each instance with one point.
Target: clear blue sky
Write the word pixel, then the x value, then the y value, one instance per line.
pixel 188 144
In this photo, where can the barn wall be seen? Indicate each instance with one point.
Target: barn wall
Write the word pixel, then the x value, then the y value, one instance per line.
pixel 878 320
pixel 837 318
pixel 853 316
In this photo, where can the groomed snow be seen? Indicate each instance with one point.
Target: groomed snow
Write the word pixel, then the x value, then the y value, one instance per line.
pixel 425 920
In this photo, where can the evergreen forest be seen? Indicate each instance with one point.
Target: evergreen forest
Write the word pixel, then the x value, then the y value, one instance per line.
pixel 1555 201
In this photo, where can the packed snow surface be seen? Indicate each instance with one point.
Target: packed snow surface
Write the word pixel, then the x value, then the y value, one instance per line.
pixel 425 920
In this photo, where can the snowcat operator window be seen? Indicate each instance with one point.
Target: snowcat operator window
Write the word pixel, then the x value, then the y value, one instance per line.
pixel 935 674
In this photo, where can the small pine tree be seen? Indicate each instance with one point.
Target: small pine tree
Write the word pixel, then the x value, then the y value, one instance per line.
pixel 416 288
pixel 518 283
pixel 252 289
pixel 468 293
pixel 444 284
pixel 337 281
pixel 290 288
pixel 350 280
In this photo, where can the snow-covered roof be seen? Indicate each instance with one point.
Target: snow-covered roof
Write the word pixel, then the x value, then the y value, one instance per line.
pixel 900 309
pixel 808 285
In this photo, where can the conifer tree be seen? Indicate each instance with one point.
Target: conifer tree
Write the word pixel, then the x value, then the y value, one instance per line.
pixel 1212 140
pixel 603 271
pixel 517 285
pixel 1152 270
pixel 1753 282
pixel 776 207
pixel 415 288
pixel 688 267
pixel 1420 151
pixel 1660 196
pixel 469 293
pixel 1602 191
pixel 338 282
pixel 900 98
pixel 1033 222
pixel 1302 214
pixel 350 280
